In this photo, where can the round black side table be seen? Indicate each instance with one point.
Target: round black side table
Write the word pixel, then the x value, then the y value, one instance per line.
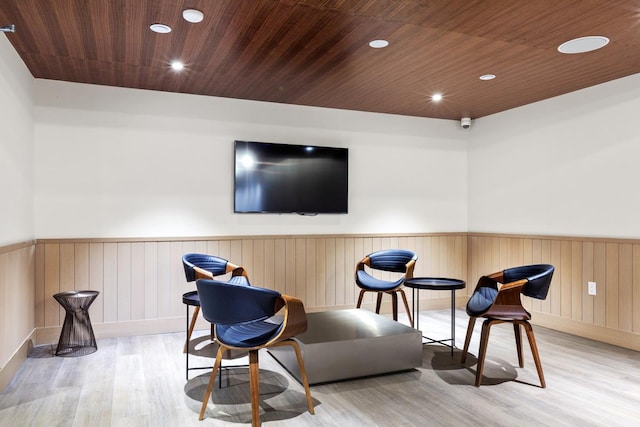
pixel 435 284
pixel 76 337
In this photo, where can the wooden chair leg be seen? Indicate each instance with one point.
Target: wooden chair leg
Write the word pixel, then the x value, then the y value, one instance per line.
pixel 378 302
pixel 406 305
pixel 484 339
pixel 212 379
pixel 303 375
pixel 192 325
pixel 467 340
pixel 534 351
pixel 394 305
pixel 254 370
pixel 518 334
pixel 360 298
pixel 303 372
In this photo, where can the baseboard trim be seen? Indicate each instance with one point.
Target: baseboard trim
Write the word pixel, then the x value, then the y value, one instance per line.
pixel 626 339
pixel 16 360
pixel 50 335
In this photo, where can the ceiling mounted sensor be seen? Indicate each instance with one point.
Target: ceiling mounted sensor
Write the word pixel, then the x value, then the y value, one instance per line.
pixel 160 28
pixel 583 44
pixel 192 15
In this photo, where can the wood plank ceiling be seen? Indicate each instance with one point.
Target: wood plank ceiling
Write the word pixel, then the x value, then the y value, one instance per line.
pixel 315 52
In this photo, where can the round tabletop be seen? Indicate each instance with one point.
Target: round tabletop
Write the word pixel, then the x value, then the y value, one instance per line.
pixel 76 299
pixel 434 283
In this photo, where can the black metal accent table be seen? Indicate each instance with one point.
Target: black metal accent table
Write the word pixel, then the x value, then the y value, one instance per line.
pixel 76 336
pixel 435 284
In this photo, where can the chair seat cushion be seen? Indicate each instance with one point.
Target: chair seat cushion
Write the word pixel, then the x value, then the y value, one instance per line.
pixel 368 282
pixel 250 334
pixel 481 300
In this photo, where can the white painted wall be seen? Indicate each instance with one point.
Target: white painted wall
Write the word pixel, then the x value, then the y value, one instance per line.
pixel 16 147
pixel 564 166
pixel 112 162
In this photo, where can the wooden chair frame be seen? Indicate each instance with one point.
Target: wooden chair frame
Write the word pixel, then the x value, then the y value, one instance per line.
pixel 366 261
pixel 294 323
pixel 507 308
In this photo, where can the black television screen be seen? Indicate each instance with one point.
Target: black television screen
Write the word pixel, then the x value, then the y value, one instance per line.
pixel 283 178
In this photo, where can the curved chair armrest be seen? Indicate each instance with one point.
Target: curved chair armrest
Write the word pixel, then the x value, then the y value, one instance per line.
pixel 509 294
pixel 409 269
pixel 295 319
pixel 201 273
pixel 366 261
pixel 517 284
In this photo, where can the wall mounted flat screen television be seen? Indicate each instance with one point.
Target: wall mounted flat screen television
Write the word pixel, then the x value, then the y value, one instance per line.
pixel 284 178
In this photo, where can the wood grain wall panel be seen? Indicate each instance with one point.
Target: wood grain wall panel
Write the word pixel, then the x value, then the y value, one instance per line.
pixel 144 280
pixel 625 287
pixel 588 252
pixel 81 266
pixel 110 274
pixel 96 280
pixel 177 280
pixel 17 303
pixel 123 280
pixel 163 288
pixel 599 276
pixel 635 312
pixel 52 310
pixel 67 267
pixel 611 284
pixel 137 280
pixel 578 286
pixel 151 280
pixel 39 286
pixel 565 278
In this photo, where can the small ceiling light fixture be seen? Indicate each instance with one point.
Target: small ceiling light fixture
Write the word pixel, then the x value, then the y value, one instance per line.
pixel 486 77
pixel 177 65
pixel 437 97
pixel 192 15
pixel 160 28
pixel 378 44
pixel 583 44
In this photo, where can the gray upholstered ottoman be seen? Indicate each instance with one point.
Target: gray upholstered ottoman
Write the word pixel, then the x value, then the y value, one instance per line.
pixel 345 344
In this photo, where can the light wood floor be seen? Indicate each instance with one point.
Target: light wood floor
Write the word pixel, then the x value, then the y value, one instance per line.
pixel 140 381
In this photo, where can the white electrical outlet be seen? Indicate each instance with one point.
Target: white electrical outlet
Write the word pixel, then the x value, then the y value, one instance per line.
pixel 591 287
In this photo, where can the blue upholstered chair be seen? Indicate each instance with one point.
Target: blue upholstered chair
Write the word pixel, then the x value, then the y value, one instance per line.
pixel 202 266
pixel 399 261
pixel 497 299
pixel 242 316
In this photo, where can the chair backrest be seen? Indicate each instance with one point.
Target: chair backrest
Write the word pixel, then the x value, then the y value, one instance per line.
pixel 216 265
pixel 394 260
pixel 225 303
pixel 538 276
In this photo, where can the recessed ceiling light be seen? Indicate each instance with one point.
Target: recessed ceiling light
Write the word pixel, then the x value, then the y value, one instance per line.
pixel 177 65
pixel 437 97
pixel 378 44
pixel 192 15
pixel 160 28
pixel 583 44
pixel 487 77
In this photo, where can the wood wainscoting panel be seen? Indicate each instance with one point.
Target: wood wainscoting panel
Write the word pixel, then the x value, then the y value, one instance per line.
pixel 17 306
pixel 142 280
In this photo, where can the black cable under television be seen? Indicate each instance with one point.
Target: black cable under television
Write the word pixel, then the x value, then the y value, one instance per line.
pixel 286 178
